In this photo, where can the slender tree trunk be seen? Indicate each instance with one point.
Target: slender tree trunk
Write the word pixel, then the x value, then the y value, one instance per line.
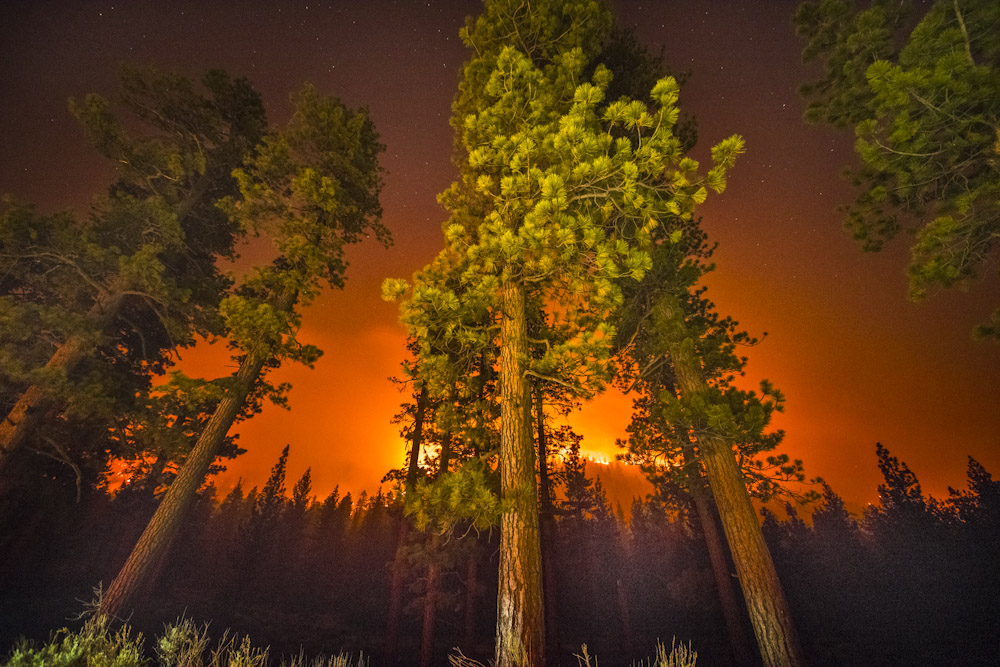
pixel 740 644
pixel 471 594
pixel 413 470
pixel 31 406
pixel 155 476
pixel 769 612
pixel 433 573
pixel 625 615
pixel 626 562
pixel 520 636
pixel 547 526
pixel 154 479
pixel 180 495
pixel 396 585
pixel 430 603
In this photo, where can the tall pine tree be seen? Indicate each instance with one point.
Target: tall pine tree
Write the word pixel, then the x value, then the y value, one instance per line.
pixel 137 276
pixel 558 198
pixel 312 188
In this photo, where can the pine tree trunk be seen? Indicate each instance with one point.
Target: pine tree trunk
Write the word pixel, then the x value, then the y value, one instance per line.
pixel 769 612
pixel 430 604
pixel 417 441
pixel 433 572
pixel 471 593
pixel 520 636
pixel 179 497
pixel 547 526
pixel 27 412
pixel 625 615
pixel 740 644
pixel 155 476
pixel 396 585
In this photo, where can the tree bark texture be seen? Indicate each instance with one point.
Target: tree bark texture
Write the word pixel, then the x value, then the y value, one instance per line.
pixel 177 500
pixel 740 644
pixel 768 609
pixel 520 636
pixel 31 406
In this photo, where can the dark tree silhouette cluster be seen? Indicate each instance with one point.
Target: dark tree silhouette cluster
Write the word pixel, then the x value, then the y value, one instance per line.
pixel 912 581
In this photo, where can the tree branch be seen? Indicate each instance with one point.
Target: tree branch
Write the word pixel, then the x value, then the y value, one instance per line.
pixel 65 459
pixel 549 378
pixel 965 33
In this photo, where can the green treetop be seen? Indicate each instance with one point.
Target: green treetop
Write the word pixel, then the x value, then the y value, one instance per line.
pixel 923 95
pixel 575 191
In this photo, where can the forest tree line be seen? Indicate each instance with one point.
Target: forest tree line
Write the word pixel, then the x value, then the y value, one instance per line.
pixel 912 581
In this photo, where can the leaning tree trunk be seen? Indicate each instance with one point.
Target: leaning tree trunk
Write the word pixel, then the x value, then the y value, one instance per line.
pixel 27 412
pixel 740 644
pixel 520 636
pixel 765 599
pixel 179 497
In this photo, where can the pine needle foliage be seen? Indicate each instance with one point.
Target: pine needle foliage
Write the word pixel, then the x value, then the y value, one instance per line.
pixel 922 92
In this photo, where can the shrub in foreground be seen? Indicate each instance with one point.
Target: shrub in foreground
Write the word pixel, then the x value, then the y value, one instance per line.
pixel 182 644
pixel 679 655
pixel 186 644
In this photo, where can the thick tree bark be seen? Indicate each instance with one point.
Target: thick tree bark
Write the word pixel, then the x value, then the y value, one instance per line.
pixel 520 615
pixel 627 563
pixel 547 526
pixel 768 609
pixel 31 406
pixel 166 521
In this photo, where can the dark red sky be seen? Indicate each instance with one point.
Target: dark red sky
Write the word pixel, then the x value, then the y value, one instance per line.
pixel 858 363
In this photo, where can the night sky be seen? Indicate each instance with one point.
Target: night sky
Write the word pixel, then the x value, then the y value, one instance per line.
pixel 858 363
